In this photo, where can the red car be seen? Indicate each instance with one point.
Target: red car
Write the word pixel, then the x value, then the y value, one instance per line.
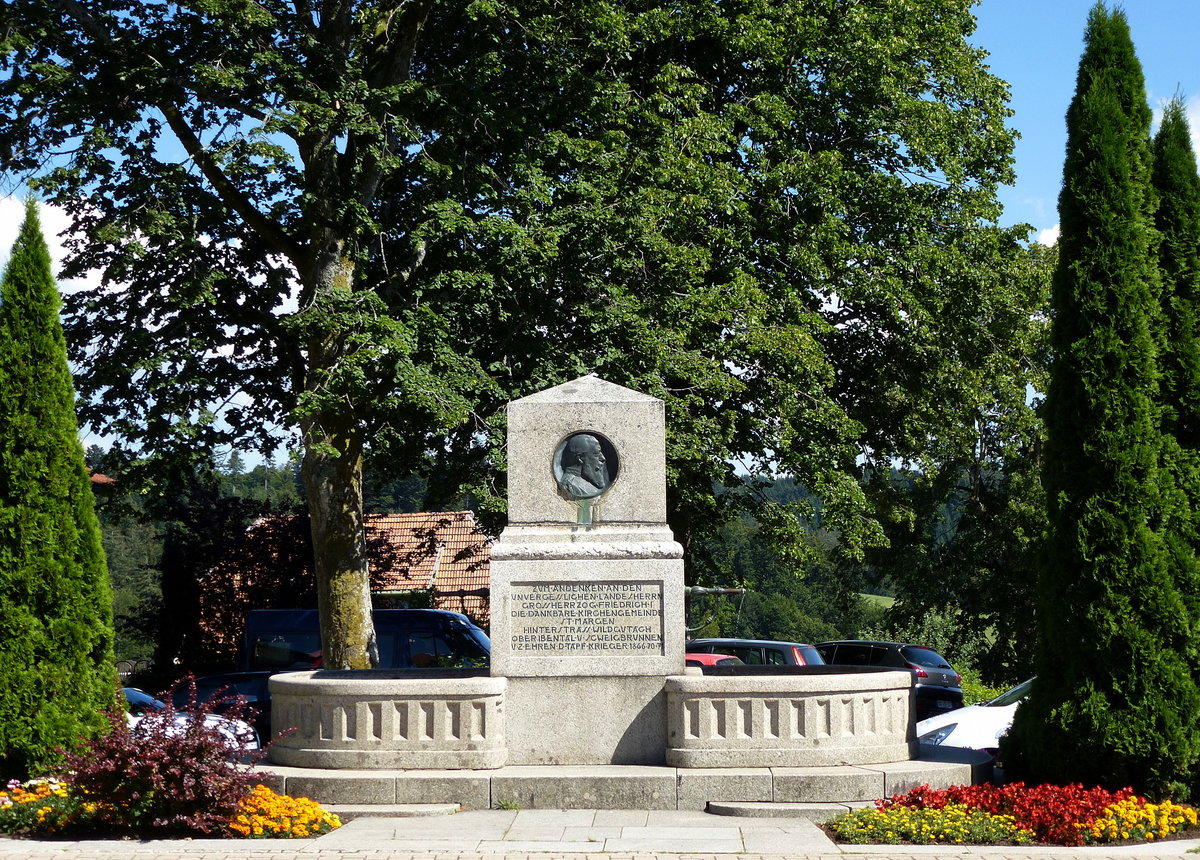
pixel 711 660
pixel 759 652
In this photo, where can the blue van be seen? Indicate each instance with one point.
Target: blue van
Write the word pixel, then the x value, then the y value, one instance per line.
pixel 407 638
pixel 282 640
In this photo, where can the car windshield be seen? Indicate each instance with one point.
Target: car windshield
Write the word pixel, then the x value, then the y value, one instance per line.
pixel 1013 696
pixel 137 700
pixel 924 657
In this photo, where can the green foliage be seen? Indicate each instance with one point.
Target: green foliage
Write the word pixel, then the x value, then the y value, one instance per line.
pixel 785 599
pixel 194 520
pixel 1178 221
pixel 398 496
pixel 56 660
pixel 275 486
pixel 1177 218
pixel 779 217
pixel 199 522
pixel 946 632
pixel 1114 702
pixel 975 690
pixel 964 523
pixel 133 549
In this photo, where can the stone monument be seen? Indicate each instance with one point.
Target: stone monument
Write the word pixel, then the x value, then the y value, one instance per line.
pixel 586 580
pixel 587 667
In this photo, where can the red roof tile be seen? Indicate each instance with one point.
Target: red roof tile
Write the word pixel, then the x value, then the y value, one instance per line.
pixel 441 551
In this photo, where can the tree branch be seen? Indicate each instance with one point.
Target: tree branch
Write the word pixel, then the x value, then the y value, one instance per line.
pixel 279 240
pixel 394 67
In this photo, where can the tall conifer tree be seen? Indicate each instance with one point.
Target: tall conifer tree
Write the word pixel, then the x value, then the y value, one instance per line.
pixel 1113 699
pixel 1177 185
pixel 56 665
pixel 1178 221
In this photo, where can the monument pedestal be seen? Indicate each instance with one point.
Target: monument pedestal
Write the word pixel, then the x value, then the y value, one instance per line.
pixel 582 642
pixel 587 720
pixel 587 580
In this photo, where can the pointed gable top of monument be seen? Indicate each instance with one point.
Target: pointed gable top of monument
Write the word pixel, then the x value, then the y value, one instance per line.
pixel 586 389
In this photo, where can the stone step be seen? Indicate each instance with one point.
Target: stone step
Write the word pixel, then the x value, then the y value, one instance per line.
pixel 630 786
pixel 817 812
pixel 350 811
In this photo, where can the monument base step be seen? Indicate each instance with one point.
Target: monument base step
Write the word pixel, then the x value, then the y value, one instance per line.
pixel 809 791
pixel 348 812
pixel 817 812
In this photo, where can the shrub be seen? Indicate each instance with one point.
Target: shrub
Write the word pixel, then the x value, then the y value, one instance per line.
pixel 1115 701
pixel 974 689
pixel 171 773
pixel 160 777
pixel 55 599
pixel 174 773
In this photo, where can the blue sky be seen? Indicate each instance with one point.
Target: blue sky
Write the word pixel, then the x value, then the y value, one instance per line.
pixel 1035 46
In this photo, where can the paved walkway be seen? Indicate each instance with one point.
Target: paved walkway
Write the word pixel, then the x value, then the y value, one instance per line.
pixel 544 834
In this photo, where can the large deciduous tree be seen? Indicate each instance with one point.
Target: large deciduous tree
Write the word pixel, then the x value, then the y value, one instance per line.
pixel 56 661
pixel 378 222
pixel 968 520
pixel 1114 701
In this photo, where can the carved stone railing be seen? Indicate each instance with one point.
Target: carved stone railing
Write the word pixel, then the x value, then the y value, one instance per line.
pixel 443 719
pixel 794 720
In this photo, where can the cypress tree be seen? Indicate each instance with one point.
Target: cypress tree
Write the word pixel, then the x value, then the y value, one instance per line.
pixel 56 664
pixel 1177 219
pixel 1114 695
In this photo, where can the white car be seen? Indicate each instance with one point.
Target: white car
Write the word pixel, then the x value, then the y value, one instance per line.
pixel 139 703
pixel 976 727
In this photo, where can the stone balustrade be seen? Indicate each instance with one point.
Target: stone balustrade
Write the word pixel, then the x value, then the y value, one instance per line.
pixel 455 719
pixel 444 719
pixel 791 720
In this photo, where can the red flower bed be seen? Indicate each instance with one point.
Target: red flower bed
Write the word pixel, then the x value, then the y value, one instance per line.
pixel 1059 814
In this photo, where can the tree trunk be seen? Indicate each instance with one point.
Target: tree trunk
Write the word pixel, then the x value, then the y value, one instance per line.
pixel 332 471
pixel 332 474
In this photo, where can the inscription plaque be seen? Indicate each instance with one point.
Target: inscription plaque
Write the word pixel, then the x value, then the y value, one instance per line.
pixel 575 619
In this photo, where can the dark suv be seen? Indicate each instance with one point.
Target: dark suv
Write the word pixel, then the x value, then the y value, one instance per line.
pixel 759 652
pixel 285 640
pixel 407 639
pixel 938 687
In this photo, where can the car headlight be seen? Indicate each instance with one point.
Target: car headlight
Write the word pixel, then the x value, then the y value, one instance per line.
pixel 938 735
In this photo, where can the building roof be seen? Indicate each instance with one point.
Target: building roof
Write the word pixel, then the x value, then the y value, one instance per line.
pixel 443 552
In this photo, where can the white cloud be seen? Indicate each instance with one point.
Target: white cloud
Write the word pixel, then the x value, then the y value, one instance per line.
pixel 55 224
pixel 1049 236
pixel 12 212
